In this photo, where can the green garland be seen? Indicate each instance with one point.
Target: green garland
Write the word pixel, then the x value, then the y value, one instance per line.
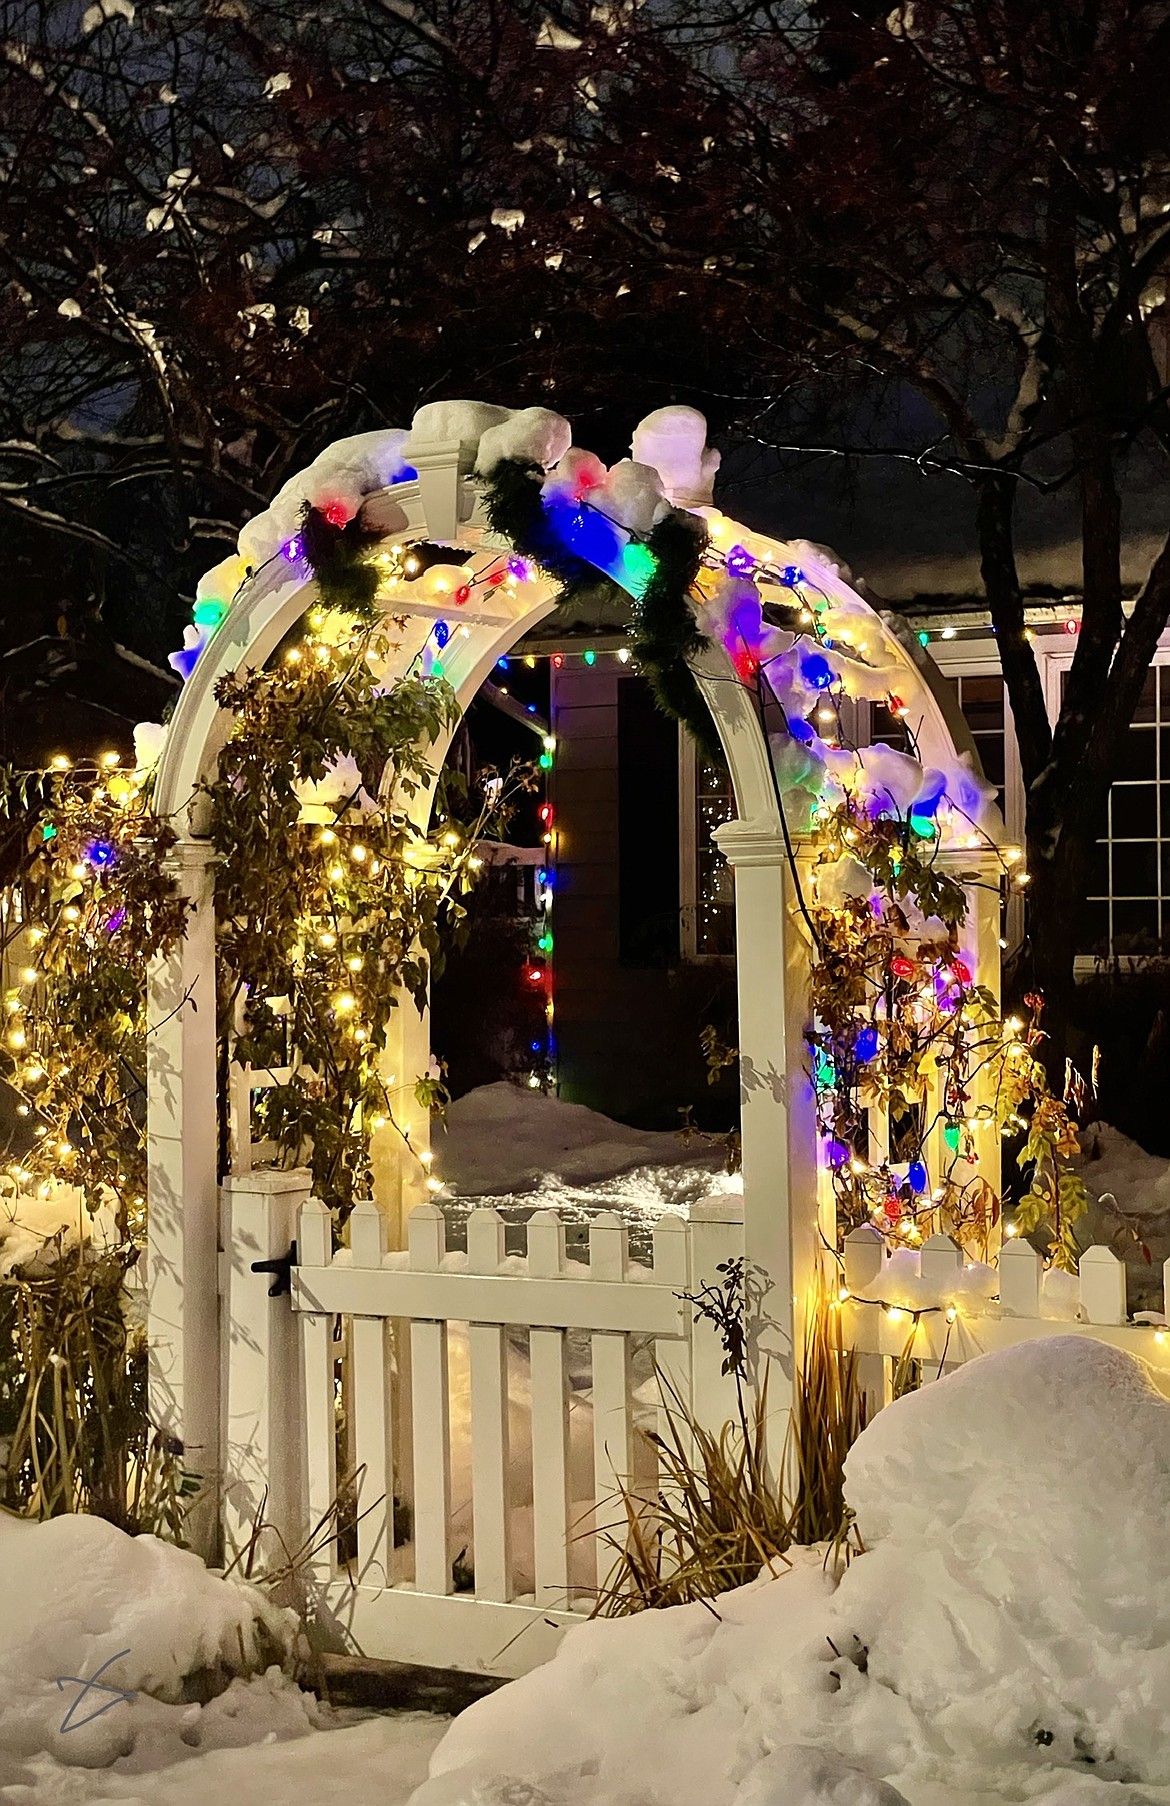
pixel 346 578
pixel 664 627
pixel 664 631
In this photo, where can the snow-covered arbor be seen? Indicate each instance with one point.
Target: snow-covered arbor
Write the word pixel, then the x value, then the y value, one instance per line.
pixel 787 643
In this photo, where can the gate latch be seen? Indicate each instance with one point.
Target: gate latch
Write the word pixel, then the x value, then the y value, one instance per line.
pixel 281 1266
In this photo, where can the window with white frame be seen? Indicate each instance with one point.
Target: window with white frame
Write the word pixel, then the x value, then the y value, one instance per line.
pixel 1128 900
pixel 1127 910
pixel 706 883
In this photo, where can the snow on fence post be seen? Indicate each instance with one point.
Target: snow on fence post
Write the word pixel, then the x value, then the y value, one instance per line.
pixel 550 1423
pixel 717 1236
pixel 314 1251
pixel 1020 1268
pixel 262 1407
pixel 1103 1286
pixel 430 1415
pixel 612 1417
pixel 491 1506
pixel 371 1402
pixel 865 1256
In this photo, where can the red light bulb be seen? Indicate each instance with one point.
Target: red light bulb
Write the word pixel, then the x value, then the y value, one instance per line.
pixel 336 513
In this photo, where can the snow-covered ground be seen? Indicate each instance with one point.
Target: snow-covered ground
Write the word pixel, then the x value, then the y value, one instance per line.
pixel 519 1151
pixel 1131 1211
pixel 81 1601
pixel 1005 1637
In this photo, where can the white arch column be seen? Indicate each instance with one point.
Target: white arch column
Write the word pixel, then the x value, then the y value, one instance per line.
pixel 183 1217
pixel 777 1103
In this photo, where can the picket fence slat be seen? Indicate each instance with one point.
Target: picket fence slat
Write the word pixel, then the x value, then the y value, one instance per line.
pixel 551 1497
pixel 430 1417
pixel 1102 1286
pixel 488 1357
pixel 372 1403
pixel 314 1242
pixel 612 1419
pixel 1020 1268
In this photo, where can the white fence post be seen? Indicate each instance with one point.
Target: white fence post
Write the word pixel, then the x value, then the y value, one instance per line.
pixel 263 1423
pixel 1020 1268
pixel 1103 1286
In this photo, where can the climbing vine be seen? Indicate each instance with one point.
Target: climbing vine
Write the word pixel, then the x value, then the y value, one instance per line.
pixel 902 1028
pixel 332 902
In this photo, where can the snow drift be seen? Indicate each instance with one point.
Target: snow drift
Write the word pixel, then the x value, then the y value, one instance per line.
pixel 77 1591
pixel 1006 1630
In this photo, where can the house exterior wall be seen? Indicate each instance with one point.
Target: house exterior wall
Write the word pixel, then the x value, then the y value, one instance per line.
pixel 628 1013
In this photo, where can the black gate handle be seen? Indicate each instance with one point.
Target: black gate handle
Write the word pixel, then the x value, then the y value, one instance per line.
pixel 281 1265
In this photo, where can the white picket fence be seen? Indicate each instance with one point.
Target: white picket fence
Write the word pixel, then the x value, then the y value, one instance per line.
pixel 497 1400
pixel 487 1406
pixel 943 1335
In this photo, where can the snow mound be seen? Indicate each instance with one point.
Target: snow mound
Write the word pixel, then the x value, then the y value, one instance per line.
pixel 1004 1634
pixel 1111 1163
pixel 501 1139
pixel 78 1592
pixel 1016 1518
pixel 345 473
pixel 673 441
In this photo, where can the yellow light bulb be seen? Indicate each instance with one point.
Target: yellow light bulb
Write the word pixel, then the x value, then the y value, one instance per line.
pixel 336 872
pixel 358 854
pixel 328 837
pixel 59 762
pixel 344 1003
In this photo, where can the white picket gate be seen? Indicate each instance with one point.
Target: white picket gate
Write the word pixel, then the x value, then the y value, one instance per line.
pixel 522 1477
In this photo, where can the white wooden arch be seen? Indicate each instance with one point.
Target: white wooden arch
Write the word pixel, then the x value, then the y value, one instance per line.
pixel 189 1238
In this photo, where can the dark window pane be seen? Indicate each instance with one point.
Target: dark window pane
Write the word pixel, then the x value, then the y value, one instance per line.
pixel 1147 701
pixel 981 700
pixel 1099 871
pixel 1135 927
pixel 1133 810
pixel 1094 935
pixel 990 750
pixel 1138 755
pixel 885 728
pixel 1135 869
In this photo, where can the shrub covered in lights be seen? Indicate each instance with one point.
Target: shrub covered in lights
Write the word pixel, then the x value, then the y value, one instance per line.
pixel 903 1027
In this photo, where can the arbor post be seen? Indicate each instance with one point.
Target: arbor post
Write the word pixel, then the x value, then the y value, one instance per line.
pixel 777 1106
pixel 182 1192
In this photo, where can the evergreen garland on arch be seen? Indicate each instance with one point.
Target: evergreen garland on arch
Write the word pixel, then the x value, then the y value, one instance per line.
pixel 664 626
pixel 664 630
